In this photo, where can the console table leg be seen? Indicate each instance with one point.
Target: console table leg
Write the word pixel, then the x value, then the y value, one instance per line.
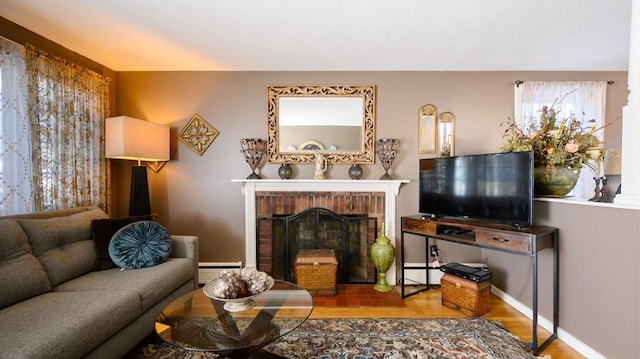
pixel 535 303
pixel 556 284
pixel 402 265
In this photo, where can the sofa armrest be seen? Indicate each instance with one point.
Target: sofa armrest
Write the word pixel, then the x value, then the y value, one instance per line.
pixel 187 247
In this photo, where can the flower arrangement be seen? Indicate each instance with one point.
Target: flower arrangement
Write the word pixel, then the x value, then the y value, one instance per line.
pixel 556 142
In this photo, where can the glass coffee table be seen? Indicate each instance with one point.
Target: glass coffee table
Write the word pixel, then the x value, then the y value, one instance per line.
pixel 196 322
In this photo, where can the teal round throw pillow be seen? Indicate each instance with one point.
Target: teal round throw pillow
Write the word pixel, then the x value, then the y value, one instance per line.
pixel 139 245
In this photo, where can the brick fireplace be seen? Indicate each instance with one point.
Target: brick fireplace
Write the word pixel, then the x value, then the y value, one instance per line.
pixel 346 222
pixel 375 199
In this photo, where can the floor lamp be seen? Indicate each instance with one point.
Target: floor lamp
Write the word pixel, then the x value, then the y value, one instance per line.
pixel 129 138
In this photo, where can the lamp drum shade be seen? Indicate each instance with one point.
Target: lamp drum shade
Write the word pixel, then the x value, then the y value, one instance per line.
pixel 133 139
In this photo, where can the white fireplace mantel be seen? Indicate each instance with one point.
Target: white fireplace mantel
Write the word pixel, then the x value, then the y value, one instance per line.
pixel 250 187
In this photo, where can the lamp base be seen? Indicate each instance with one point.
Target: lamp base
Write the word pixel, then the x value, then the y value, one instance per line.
pixel 139 203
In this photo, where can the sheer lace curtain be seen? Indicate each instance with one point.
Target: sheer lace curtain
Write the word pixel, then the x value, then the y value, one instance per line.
pixel 585 99
pixel 16 195
pixel 67 108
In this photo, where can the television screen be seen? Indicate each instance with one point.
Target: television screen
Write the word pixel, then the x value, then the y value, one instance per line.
pixel 492 187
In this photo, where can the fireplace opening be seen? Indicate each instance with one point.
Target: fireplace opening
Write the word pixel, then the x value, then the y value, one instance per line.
pixel 350 236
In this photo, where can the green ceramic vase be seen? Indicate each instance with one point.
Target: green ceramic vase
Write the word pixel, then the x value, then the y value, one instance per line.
pixel 383 255
pixel 558 184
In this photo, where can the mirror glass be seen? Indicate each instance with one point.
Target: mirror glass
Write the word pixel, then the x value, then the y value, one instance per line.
pixel 336 121
pixel 333 123
pixel 427 129
pixel 446 143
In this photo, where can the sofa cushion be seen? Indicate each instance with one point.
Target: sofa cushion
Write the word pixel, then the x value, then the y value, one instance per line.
pixel 102 230
pixel 65 325
pixel 139 245
pixel 151 283
pixel 21 274
pixel 63 244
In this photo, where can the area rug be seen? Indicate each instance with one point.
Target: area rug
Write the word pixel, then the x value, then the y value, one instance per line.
pixel 380 338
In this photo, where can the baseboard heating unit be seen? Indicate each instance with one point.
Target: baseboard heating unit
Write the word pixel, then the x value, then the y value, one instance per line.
pixel 208 271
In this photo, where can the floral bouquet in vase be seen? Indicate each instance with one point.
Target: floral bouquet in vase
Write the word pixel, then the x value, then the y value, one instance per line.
pixel 561 147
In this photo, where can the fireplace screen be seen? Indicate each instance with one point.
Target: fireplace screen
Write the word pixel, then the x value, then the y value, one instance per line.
pixel 350 236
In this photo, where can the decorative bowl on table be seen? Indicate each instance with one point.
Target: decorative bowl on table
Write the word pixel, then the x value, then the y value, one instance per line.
pixel 238 290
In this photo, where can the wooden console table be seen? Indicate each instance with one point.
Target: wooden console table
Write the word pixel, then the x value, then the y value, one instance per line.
pixel 519 241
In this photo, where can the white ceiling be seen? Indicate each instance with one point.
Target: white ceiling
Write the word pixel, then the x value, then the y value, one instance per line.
pixel 336 35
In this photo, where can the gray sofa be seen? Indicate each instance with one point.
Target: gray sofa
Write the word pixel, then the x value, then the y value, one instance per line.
pixel 54 303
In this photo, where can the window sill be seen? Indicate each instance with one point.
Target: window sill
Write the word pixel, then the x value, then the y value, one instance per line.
pixel 584 202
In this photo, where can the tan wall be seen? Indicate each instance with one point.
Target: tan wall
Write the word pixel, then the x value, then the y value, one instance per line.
pixel 193 194
pixel 598 274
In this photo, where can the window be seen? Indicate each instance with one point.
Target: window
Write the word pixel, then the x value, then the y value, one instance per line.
pixel 585 99
pixel 16 186
pixel 51 134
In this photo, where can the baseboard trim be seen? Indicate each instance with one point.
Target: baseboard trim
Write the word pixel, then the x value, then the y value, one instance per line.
pixel 208 271
pixel 547 324
pixel 418 276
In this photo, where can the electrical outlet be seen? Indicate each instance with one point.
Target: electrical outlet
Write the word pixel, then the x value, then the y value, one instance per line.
pixel 434 250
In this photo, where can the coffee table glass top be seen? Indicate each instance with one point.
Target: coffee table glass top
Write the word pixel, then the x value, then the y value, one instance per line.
pixel 196 322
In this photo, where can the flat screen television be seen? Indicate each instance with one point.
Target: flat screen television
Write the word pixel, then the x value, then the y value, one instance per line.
pixel 496 187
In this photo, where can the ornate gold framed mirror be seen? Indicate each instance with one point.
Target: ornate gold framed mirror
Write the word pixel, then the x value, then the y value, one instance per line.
pixel 446 135
pixel 337 121
pixel 427 129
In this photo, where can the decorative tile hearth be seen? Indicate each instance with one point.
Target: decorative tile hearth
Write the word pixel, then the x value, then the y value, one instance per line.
pixel 374 198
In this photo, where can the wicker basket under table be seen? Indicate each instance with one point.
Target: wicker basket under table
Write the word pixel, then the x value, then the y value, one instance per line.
pixel 316 271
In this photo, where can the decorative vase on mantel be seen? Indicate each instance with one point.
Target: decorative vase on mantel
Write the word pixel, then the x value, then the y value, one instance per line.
pixel 355 171
pixel 285 171
pixel 383 255
pixel 557 184
pixel 253 150
pixel 387 150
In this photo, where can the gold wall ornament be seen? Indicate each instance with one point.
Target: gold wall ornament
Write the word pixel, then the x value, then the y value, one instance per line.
pixel 427 129
pixel 198 134
pixel 446 134
pixel 279 151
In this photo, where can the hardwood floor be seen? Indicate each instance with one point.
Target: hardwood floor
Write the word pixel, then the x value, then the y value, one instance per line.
pixel 428 305
pixel 361 301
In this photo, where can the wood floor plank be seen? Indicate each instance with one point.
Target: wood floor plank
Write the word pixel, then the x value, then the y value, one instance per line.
pixel 428 305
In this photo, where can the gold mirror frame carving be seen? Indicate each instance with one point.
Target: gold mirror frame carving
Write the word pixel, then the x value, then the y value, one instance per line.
pixel 366 155
pixel 427 118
